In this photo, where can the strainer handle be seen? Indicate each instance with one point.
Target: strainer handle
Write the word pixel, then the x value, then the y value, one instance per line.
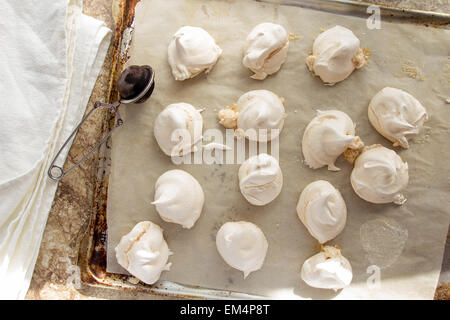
pixel 114 108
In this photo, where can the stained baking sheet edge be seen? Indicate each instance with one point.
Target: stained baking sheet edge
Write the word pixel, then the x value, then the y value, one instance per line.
pixel 92 255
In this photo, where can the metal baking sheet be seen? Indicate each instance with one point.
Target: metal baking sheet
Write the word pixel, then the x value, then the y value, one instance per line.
pixel 93 252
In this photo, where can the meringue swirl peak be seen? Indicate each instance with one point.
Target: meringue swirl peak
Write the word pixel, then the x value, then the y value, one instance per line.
pixel 258 115
pixel 336 53
pixel 191 51
pixel 328 269
pixel 380 175
pixel 242 245
pixel 260 179
pixel 178 128
pixel 179 198
pixel 143 252
pixel 396 115
pixel 266 49
pixel 322 210
pixel 326 137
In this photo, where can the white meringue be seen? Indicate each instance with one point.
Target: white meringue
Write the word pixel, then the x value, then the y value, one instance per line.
pixel 178 128
pixel 396 115
pixel 242 245
pixel 380 175
pixel 322 210
pixel 336 53
pixel 260 115
pixel 260 179
pixel 326 137
pixel 191 51
pixel 266 49
pixel 179 198
pixel 327 270
pixel 143 252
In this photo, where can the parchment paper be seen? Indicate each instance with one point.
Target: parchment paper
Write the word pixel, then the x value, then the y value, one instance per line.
pixel 405 242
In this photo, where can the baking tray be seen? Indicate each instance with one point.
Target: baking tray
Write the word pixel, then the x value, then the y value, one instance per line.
pixel 92 254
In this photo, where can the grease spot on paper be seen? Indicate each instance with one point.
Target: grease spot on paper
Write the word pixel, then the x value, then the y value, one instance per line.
pixel 383 239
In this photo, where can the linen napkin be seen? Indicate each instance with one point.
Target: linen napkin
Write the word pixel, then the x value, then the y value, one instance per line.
pixel 51 55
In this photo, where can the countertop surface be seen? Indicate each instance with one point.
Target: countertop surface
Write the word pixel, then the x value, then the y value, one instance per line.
pixel 56 272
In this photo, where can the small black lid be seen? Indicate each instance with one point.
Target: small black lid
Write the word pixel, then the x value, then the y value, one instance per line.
pixel 133 80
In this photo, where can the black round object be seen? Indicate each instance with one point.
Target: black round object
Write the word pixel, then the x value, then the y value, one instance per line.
pixel 133 80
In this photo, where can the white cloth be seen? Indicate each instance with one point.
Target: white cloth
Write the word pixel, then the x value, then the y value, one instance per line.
pixel 50 57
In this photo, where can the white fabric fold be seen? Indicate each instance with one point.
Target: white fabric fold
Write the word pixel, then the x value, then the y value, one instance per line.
pixel 51 57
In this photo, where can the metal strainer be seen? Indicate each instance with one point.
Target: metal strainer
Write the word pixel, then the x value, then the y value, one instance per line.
pixel 132 79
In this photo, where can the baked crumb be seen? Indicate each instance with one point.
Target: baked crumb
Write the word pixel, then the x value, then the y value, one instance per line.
pixel 293 36
pixel 351 154
pixel 361 57
pixel 412 71
pixel 228 117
